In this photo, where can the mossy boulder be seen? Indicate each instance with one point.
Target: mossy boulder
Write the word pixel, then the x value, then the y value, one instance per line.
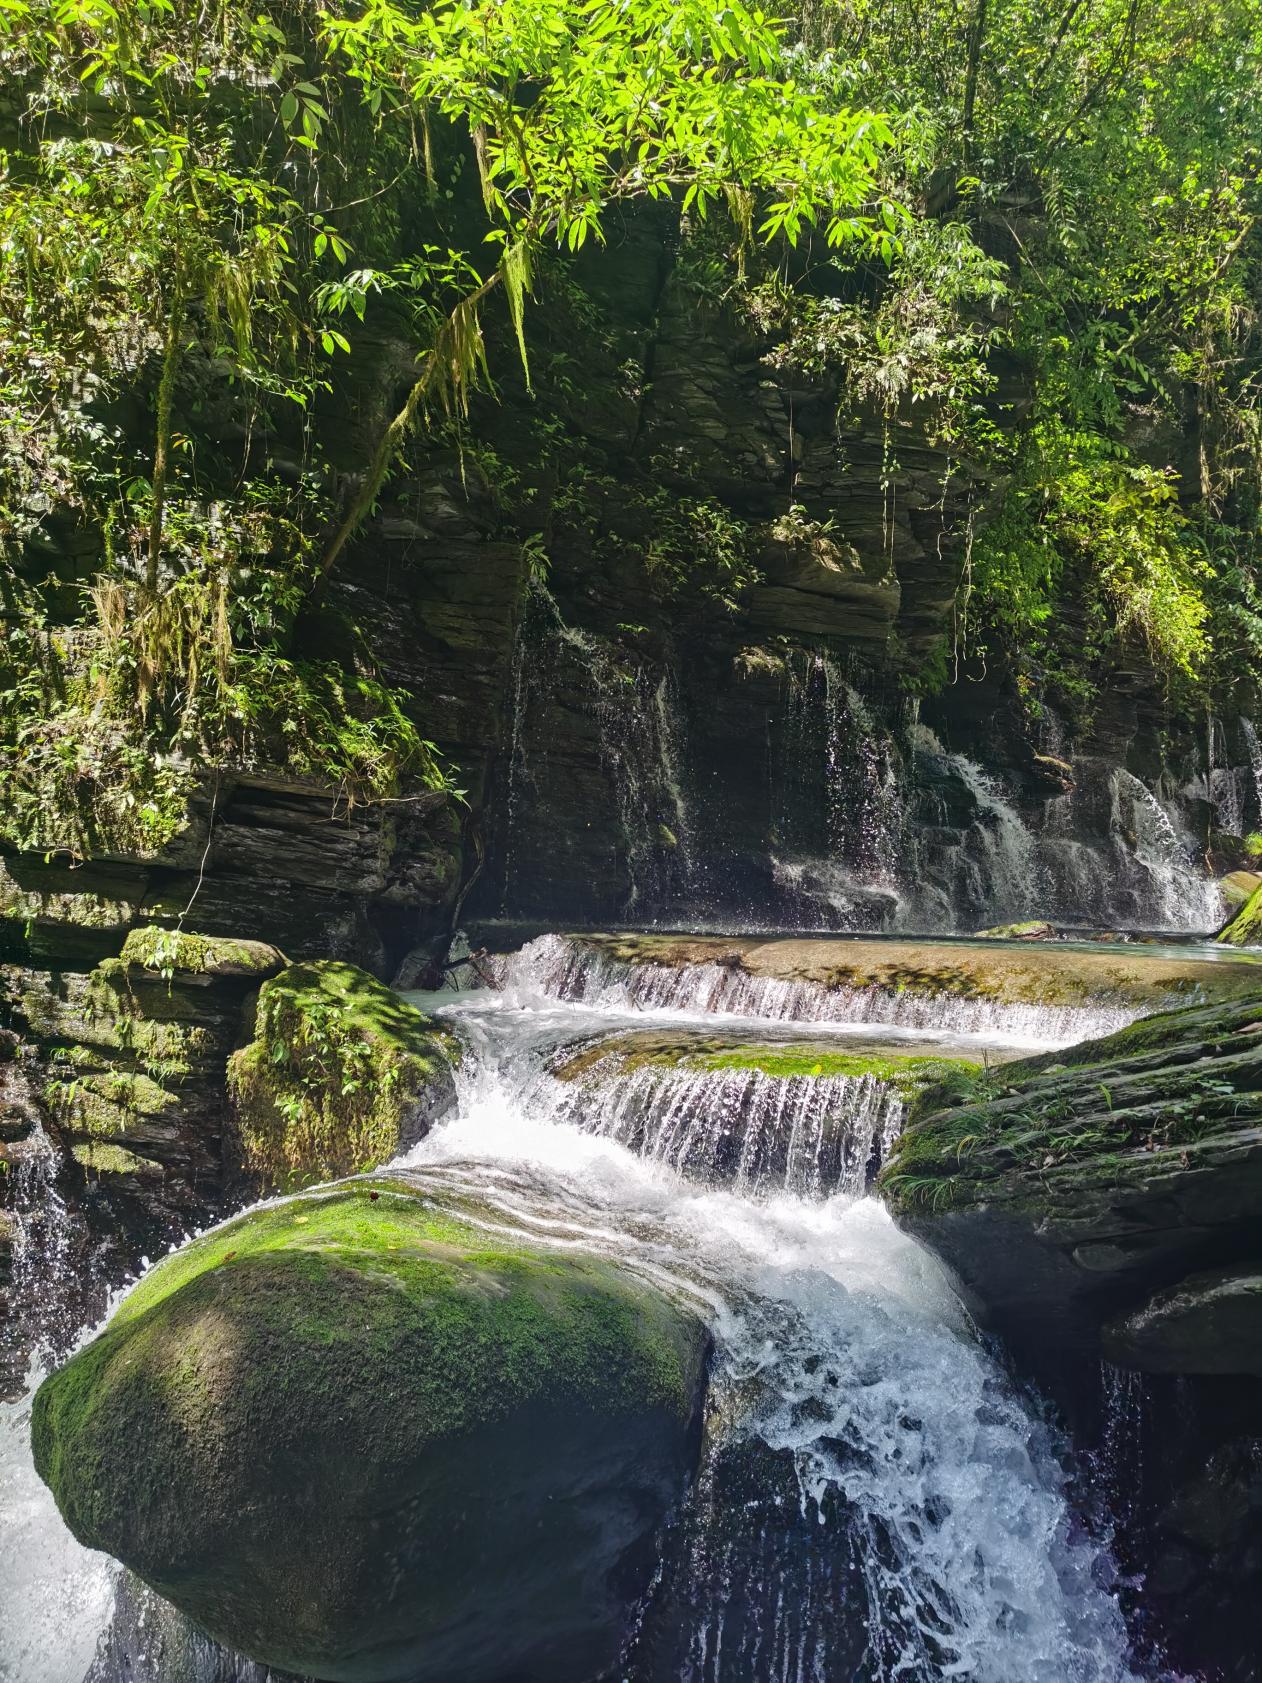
pixel 358 1436
pixel 170 950
pixel 1244 927
pixel 1066 1189
pixel 341 1076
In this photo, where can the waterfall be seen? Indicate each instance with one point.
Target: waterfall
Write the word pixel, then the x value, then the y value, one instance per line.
pixel 840 800
pixel 1254 745
pixel 639 740
pixel 973 860
pixel 554 967
pixel 1001 850
pixel 809 1135
pixel 1223 782
pixel 1176 895
pixel 874 1499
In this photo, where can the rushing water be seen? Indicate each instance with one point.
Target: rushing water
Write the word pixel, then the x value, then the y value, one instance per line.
pixel 875 1502
pixel 559 967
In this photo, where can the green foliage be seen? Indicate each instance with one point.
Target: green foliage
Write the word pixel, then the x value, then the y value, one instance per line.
pixel 337 1067
pixel 1105 157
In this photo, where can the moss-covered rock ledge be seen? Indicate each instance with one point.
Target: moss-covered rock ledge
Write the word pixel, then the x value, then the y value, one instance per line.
pixel 356 1436
pixel 341 1076
pixel 1065 1190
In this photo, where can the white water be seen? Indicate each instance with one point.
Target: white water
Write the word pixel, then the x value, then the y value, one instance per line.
pixel 1254 744
pixel 907 1520
pixel 556 967
pixel 842 1349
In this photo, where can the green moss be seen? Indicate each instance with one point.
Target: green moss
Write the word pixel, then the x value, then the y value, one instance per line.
pixel 364 1324
pixel 624 1054
pixel 337 1067
pixel 1166 1082
pixel 108 1103
pixel 907 1074
pixel 1245 928
pixel 111 1160
pixel 169 950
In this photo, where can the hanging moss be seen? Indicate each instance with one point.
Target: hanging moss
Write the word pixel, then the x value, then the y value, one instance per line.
pixel 340 1076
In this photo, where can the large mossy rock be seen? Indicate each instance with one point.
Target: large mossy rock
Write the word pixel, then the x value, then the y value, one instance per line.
pixel 341 1076
pixel 1065 1190
pixel 357 1436
pixel 1244 927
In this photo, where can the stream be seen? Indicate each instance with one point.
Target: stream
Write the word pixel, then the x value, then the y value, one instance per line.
pixel 876 1501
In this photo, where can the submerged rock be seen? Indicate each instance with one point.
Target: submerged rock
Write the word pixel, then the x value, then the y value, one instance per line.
pixel 1066 1190
pixel 341 1076
pixel 1033 930
pixel 358 1436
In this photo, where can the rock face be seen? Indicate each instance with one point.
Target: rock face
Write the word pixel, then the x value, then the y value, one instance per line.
pixel 357 1437
pixel 341 1075
pixel 1098 1185
pixel 1208 1323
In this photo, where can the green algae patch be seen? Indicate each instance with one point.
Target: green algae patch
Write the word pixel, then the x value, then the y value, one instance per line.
pixel 341 1075
pixel 331 1427
pixel 168 951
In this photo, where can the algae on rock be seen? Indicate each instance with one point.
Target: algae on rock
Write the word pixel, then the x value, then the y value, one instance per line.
pixel 1065 1189
pixel 341 1075
pixel 1244 927
pixel 363 1435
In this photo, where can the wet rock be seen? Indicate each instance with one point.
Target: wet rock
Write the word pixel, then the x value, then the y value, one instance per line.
pixel 359 1436
pixel 1034 930
pixel 1208 1323
pixel 1066 1190
pixel 1239 886
pixel 1244 927
pixel 1207 1548
pixel 1051 976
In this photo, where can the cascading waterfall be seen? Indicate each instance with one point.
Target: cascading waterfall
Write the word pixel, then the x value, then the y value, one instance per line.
pixel 840 799
pixel 1254 745
pixel 811 1135
pixel 973 860
pixel 1223 785
pixel 554 967
pixel 874 1499
pixel 634 713
pixel 1179 895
